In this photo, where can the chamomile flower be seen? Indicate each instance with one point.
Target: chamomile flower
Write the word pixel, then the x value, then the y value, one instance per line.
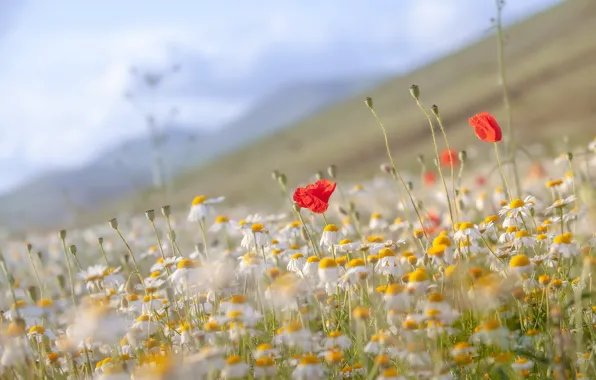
pixel 467 231
pixel 201 207
pixel 520 264
pixel 563 246
pixel 518 207
pixel 309 368
pixel 328 270
pixel 296 263
pixel 330 236
pixel 377 222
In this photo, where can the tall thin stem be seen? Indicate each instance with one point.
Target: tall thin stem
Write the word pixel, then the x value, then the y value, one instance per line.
pixel 396 174
pixel 511 148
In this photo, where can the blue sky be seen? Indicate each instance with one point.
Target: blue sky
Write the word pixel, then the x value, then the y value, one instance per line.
pixel 65 64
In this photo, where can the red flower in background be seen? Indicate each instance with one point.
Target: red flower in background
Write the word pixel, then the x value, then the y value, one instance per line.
pixel 315 196
pixel 449 158
pixel 429 178
pixel 486 127
pixel 480 181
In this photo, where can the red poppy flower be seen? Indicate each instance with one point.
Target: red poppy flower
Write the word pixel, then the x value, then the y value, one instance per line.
pixel 449 158
pixel 486 127
pixel 429 178
pixel 315 196
pixel 480 181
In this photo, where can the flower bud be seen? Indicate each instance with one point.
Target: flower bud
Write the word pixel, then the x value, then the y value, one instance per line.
pixel 415 91
pixel 100 240
pixel 435 110
pixel 420 158
pixel 569 156
pixel 114 223
pixel 332 171
pixel 150 214
pixel 410 185
pixel 357 215
pixel 62 234
pixel 369 102
pixel 275 175
pixel 282 179
pixel 29 247
pixel 418 234
pixel 319 175
pixel 165 211
pixel 463 156
pixel 296 207
pixel 39 255
pixel 73 249
pixel 342 211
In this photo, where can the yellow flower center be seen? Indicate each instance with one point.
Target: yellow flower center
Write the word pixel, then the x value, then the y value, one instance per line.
pixel 418 275
pixel 356 263
pixel 331 228
pixel 521 234
pixel 313 259
pixel 185 263
pixel 257 227
pixel 562 239
pixel 309 359
pixel 345 241
pixel 221 219
pixel 327 262
pixel 516 203
pixel 199 200
pixel 234 359
pixel 465 226
pixel 393 289
pixel 386 252
pixel 518 261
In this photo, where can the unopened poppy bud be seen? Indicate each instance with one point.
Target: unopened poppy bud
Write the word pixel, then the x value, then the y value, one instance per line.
pixel 532 212
pixel 165 211
pixel 435 109
pixel 113 223
pixel 73 249
pixel 319 175
pixel 461 204
pixel 415 91
pixel 463 156
pixel 369 102
pixel 357 215
pixel 39 255
pixel 420 205
pixel 29 247
pixel 62 234
pixel 282 179
pixel 100 240
pixel 420 158
pixel 150 214
pixel 332 171
pixel 342 210
pixel 569 156
pixel 126 258
pixel 275 175
pixel 296 207
pixel 410 185
pixel 33 293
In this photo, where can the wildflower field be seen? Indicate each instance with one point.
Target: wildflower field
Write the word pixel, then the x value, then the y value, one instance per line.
pixel 459 271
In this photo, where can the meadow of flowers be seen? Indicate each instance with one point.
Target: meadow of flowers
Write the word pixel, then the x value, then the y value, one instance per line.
pixel 400 278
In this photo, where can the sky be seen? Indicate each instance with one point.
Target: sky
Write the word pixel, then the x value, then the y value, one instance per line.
pixel 65 66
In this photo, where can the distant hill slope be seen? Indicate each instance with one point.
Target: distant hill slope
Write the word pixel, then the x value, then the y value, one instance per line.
pixel 59 198
pixel 551 63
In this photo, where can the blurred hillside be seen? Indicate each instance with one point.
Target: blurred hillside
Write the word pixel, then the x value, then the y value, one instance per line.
pixel 63 197
pixel 551 62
